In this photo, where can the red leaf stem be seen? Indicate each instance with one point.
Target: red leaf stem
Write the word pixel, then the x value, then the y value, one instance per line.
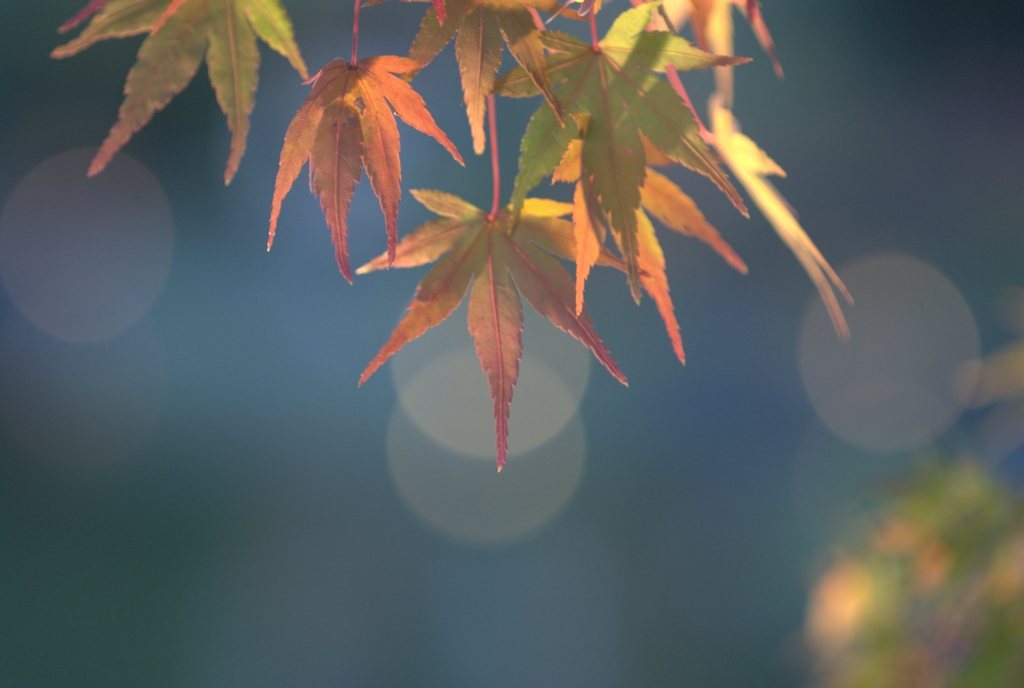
pixel 492 120
pixel 355 33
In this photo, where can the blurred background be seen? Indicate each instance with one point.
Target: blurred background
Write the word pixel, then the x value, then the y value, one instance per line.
pixel 193 492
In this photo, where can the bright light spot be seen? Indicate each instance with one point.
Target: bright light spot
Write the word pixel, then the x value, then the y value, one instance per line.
pixel 83 406
pixel 838 605
pixel 83 258
pixel 468 499
pixel 444 391
pixel 891 387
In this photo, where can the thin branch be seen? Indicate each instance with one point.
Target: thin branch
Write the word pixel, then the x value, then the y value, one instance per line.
pixel 355 33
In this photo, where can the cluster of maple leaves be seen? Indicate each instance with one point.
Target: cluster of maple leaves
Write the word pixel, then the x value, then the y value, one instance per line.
pixel 606 119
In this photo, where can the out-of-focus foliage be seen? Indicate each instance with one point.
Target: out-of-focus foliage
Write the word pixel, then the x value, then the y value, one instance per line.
pixel 932 596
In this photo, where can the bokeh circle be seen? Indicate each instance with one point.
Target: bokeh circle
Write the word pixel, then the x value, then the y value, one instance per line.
pixel 894 385
pixel 83 258
pixel 467 499
pixel 443 389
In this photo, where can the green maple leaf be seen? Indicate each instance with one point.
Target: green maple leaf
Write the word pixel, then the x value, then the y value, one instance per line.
pixel 478 27
pixel 182 33
pixel 501 257
pixel 617 88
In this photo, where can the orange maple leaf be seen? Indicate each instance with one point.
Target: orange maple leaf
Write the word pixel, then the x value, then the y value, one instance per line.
pixel 658 196
pixel 501 256
pixel 346 124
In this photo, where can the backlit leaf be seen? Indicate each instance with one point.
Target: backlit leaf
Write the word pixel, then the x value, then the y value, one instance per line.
pixel 652 263
pixel 712 23
pixel 182 33
pixel 91 8
pixel 664 200
pixel 736 153
pixel 478 27
pixel 502 257
pixel 345 124
pixel 677 211
pixel 618 87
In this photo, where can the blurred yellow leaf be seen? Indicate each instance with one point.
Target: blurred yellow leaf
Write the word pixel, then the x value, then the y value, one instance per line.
pixel 749 165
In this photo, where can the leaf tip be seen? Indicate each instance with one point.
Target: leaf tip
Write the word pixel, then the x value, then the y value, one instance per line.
pixel 372 367
pixel 97 165
pixel 341 257
pixel 273 228
pixel 90 9
pixel 845 292
pixel 392 249
pixel 613 368
pixel 450 147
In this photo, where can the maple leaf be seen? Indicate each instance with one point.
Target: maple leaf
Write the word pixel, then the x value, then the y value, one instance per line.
pixel 181 34
pixel 91 8
pixel 703 13
pixel 501 256
pixel 663 199
pixel 750 164
pixel 478 27
pixel 712 25
pixel 616 84
pixel 707 16
pixel 345 124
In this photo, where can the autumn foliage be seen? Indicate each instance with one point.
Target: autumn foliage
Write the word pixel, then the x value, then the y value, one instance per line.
pixel 611 110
